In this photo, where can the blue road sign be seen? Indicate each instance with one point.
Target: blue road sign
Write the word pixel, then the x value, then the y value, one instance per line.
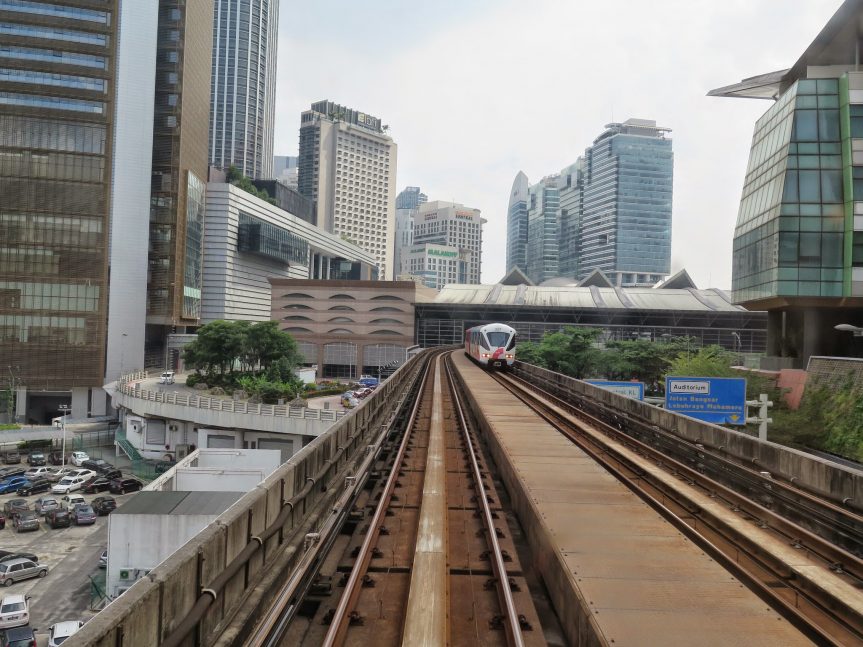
pixel 629 389
pixel 720 400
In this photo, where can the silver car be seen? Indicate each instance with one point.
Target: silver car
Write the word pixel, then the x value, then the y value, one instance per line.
pixel 45 504
pixel 20 569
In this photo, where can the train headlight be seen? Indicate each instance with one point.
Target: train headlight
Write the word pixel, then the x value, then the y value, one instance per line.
pixel 509 356
pixel 484 355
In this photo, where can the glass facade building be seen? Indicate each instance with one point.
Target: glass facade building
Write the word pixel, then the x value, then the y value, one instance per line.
pixel 543 231
pixel 798 241
pixel 516 224
pixel 56 125
pixel 243 98
pixel 625 223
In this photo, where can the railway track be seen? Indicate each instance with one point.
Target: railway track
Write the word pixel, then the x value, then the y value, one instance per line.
pixel 431 560
pixel 815 584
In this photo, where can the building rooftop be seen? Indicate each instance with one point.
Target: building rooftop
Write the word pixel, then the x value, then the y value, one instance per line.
pixel 179 503
pixel 606 298
pixel 836 44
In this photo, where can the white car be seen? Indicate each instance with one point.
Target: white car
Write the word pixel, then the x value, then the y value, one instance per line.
pixel 69 484
pixel 87 474
pixel 62 630
pixel 79 457
pixel 14 611
pixel 71 500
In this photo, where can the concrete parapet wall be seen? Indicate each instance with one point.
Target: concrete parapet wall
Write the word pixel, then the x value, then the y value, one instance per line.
pixel 153 607
pixel 817 475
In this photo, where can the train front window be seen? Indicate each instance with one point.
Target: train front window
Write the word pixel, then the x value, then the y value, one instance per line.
pixel 497 339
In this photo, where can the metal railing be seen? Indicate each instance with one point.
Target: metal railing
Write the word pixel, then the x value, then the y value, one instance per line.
pixel 130 386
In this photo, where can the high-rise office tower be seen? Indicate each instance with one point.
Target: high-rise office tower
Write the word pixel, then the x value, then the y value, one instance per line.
pixel 285 170
pixel 76 113
pixel 411 198
pixel 179 176
pixel 516 224
pixel 407 203
pixel 571 188
pixel 348 167
pixel 798 243
pixel 243 100
pixel 625 223
pixel 543 230
pixel 447 244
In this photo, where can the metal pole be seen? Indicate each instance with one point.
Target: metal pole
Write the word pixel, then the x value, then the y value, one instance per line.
pixel 65 409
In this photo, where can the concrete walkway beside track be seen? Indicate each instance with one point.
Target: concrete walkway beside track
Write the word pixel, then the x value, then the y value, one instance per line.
pixel 618 573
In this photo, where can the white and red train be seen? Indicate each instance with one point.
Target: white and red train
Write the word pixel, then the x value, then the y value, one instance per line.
pixel 491 346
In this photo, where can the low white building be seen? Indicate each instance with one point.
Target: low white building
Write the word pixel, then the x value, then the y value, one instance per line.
pixel 248 240
pixel 436 265
pixel 147 528
pixel 446 226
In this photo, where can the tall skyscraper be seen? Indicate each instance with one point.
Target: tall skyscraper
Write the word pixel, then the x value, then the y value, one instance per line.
pixel 447 244
pixel 286 171
pixel 543 230
pixel 625 224
pixel 243 102
pixel 76 114
pixel 798 243
pixel 411 198
pixel 516 224
pixel 179 176
pixel 348 167
pixel 571 188
pixel 407 203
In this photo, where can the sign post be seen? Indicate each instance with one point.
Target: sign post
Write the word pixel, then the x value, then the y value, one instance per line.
pixel 633 390
pixel 720 400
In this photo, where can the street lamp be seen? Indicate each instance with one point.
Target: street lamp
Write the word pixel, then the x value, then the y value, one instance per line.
pixel 854 330
pixel 64 409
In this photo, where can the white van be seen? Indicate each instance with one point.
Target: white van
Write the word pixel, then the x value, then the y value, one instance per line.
pixel 167 377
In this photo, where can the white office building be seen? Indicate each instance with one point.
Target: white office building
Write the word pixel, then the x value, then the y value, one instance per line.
pixel 247 241
pixel 441 227
pixel 348 167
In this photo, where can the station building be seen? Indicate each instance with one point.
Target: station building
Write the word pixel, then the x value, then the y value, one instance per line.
pixel 798 243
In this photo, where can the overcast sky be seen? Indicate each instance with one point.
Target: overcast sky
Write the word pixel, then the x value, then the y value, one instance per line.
pixel 476 90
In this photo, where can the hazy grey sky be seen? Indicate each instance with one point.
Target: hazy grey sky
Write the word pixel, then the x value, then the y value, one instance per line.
pixel 476 90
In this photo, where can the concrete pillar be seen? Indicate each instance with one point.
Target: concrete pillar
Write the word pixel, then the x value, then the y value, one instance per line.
pixel 100 403
pixel 21 404
pixel 80 403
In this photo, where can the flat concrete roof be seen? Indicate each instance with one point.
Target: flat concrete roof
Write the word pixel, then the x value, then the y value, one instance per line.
pixel 179 503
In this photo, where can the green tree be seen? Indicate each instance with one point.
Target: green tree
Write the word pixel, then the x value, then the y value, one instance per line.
pixel 236 177
pixel 265 344
pixel 528 352
pixel 710 361
pixel 571 351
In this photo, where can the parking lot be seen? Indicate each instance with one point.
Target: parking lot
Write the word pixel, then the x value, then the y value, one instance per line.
pixel 72 556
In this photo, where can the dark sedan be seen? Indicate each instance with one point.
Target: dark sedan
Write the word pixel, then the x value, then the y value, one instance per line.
pixel 83 515
pixel 5 556
pixel 59 518
pixel 121 486
pixel 15 506
pixel 36 459
pixel 11 458
pixel 104 505
pixel 98 465
pixel 55 458
pixel 35 487
pixel 98 484
pixel 6 472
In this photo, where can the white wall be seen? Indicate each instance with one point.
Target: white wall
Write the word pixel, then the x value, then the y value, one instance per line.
pixel 266 459
pixel 193 479
pixel 130 185
pixel 142 541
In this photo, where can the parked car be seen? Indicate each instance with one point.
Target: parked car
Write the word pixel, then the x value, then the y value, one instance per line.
pixel 18 637
pixel 71 500
pixel 103 505
pixel 36 459
pixel 13 483
pixel 369 382
pixel 58 518
pixel 83 472
pixel 2 521
pixel 34 487
pixel 363 393
pixel 349 401
pixel 83 515
pixel 98 484
pixel 20 569
pixel 103 559
pixel 55 458
pixel 167 377
pixel 5 556
pixel 78 458
pixel 14 611
pixel 25 521
pixel 59 632
pixel 121 486
pixel 58 473
pixel 11 458
pixel 44 504
pixel 113 474
pixel 68 484
pixel 98 465
pixel 14 506
pixel 7 472
pixel 38 472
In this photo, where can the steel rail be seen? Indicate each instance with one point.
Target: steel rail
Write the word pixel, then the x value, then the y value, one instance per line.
pixel 794 502
pixel 340 620
pixel 603 452
pixel 827 550
pixel 271 628
pixel 512 626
